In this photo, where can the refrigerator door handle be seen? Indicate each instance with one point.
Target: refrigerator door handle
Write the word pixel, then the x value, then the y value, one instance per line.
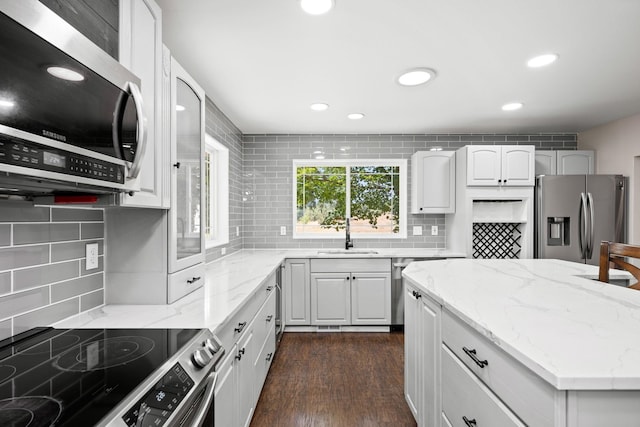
pixel 582 240
pixel 590 225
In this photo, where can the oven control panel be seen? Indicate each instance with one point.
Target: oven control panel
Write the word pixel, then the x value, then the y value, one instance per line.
pixel 157 405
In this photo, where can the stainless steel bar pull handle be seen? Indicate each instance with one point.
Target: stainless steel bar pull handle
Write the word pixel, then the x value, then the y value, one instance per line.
pixel 582 236
pixel 590 226
pixel 142 130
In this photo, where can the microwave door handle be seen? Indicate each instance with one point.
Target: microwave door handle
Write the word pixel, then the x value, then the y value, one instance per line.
pixel 591 230
pixel 582 240
pixel 206 402
pixel 142 130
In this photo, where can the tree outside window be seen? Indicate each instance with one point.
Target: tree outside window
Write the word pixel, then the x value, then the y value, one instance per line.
pixel 370 193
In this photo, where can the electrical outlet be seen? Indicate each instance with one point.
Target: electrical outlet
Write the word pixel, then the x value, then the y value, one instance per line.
pixel 92 256
pixel 417 230
pixel 223 251
pixel 434 230
pixel 283 230
pixel 237 231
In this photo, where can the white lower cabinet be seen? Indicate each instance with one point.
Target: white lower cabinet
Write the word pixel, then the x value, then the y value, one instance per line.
pixel 225 392
pixel 246 395
pixel 466 401
pixel 422 357
pixel 249 341
pixel 350 292
pixel 330 299
pixel 297 290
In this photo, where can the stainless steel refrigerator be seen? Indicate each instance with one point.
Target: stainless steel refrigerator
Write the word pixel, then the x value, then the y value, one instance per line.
pixel 574 213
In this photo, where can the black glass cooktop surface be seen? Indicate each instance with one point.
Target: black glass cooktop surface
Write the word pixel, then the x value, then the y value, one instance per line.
pixel 74 377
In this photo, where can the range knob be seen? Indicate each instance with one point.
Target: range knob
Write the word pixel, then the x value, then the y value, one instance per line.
pixel 200 358
pixel 212 345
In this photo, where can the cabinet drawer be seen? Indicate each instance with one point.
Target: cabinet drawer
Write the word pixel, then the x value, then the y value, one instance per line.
pixel 466 402
pixel 528 395
pixel 350 265
pixel 265 318
pixel 263 361
pixel 184 282
pixel 230 332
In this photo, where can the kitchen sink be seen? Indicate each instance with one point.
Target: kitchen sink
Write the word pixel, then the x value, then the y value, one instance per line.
pixel 347 252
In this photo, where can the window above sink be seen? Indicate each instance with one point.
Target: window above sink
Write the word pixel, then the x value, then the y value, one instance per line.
pixel 372 193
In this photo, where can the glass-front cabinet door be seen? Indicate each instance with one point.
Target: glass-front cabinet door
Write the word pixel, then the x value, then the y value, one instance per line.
pixel 186 246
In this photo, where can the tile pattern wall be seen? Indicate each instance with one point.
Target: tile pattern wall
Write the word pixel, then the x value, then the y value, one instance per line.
pixel 43 276
pixel 222 129
pixel 268 179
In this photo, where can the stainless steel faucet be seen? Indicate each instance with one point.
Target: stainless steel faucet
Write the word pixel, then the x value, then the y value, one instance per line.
pixel 348 243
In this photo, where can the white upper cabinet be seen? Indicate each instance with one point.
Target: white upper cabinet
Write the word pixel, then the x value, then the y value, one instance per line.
pixel 575 162
pixel 186 240
pixel 500 165
pixel 565 162
pixel 545 162
pixel 141 52
pixel 433 175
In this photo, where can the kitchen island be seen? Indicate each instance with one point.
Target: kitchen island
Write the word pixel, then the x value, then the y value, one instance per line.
pixel 534 340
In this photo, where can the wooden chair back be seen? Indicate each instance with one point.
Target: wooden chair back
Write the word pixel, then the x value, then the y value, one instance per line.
pixel 615 253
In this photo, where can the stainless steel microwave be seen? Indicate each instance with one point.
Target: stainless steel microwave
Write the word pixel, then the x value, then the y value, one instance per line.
pixel 71 116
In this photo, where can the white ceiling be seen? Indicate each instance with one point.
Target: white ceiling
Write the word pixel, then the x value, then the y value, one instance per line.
pixel 263 62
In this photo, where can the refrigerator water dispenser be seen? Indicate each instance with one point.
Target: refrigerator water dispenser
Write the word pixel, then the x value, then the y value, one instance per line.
pixel 558 231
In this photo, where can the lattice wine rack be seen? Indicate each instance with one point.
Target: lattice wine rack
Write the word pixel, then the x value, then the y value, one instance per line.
pixel 496 240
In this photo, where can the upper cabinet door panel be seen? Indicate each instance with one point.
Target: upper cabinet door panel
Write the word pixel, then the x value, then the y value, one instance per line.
pixel 187 179
pixel 545 162
pixel 518 165
pixel 141 52
pixel 483 165
pixel 576 162
pixel 433 182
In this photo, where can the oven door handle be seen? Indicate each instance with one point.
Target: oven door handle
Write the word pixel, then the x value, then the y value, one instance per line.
pixel 206 401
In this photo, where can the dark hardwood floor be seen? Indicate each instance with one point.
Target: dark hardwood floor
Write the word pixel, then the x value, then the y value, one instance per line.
pixel 335 380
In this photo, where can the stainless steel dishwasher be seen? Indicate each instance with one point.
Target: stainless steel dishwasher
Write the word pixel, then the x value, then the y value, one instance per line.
pixel 397 289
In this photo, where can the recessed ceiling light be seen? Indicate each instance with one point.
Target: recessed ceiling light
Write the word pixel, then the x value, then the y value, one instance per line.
pixel 6 103
pixel 416 77
pixel 180 107
pixel 355 116
pixel 512 106
pixel 542 60
pixel 65 74
pixel 316 7
pixel 319 106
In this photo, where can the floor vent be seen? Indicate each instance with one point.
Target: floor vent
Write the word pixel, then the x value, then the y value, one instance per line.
pixel 329 328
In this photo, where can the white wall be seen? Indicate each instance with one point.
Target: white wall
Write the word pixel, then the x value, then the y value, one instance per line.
pixel 617 147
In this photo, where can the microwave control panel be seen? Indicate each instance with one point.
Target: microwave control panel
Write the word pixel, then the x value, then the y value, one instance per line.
pixel 18 152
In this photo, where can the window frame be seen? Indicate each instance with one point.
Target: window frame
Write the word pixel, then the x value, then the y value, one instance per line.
pixel 347 163
pixel 218 195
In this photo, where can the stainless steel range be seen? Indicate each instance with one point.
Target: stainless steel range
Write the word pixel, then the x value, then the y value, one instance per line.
pixel 108 377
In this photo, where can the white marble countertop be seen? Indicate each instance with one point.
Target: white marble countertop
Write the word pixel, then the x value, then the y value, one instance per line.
pixel 230 281
pixel 573 332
